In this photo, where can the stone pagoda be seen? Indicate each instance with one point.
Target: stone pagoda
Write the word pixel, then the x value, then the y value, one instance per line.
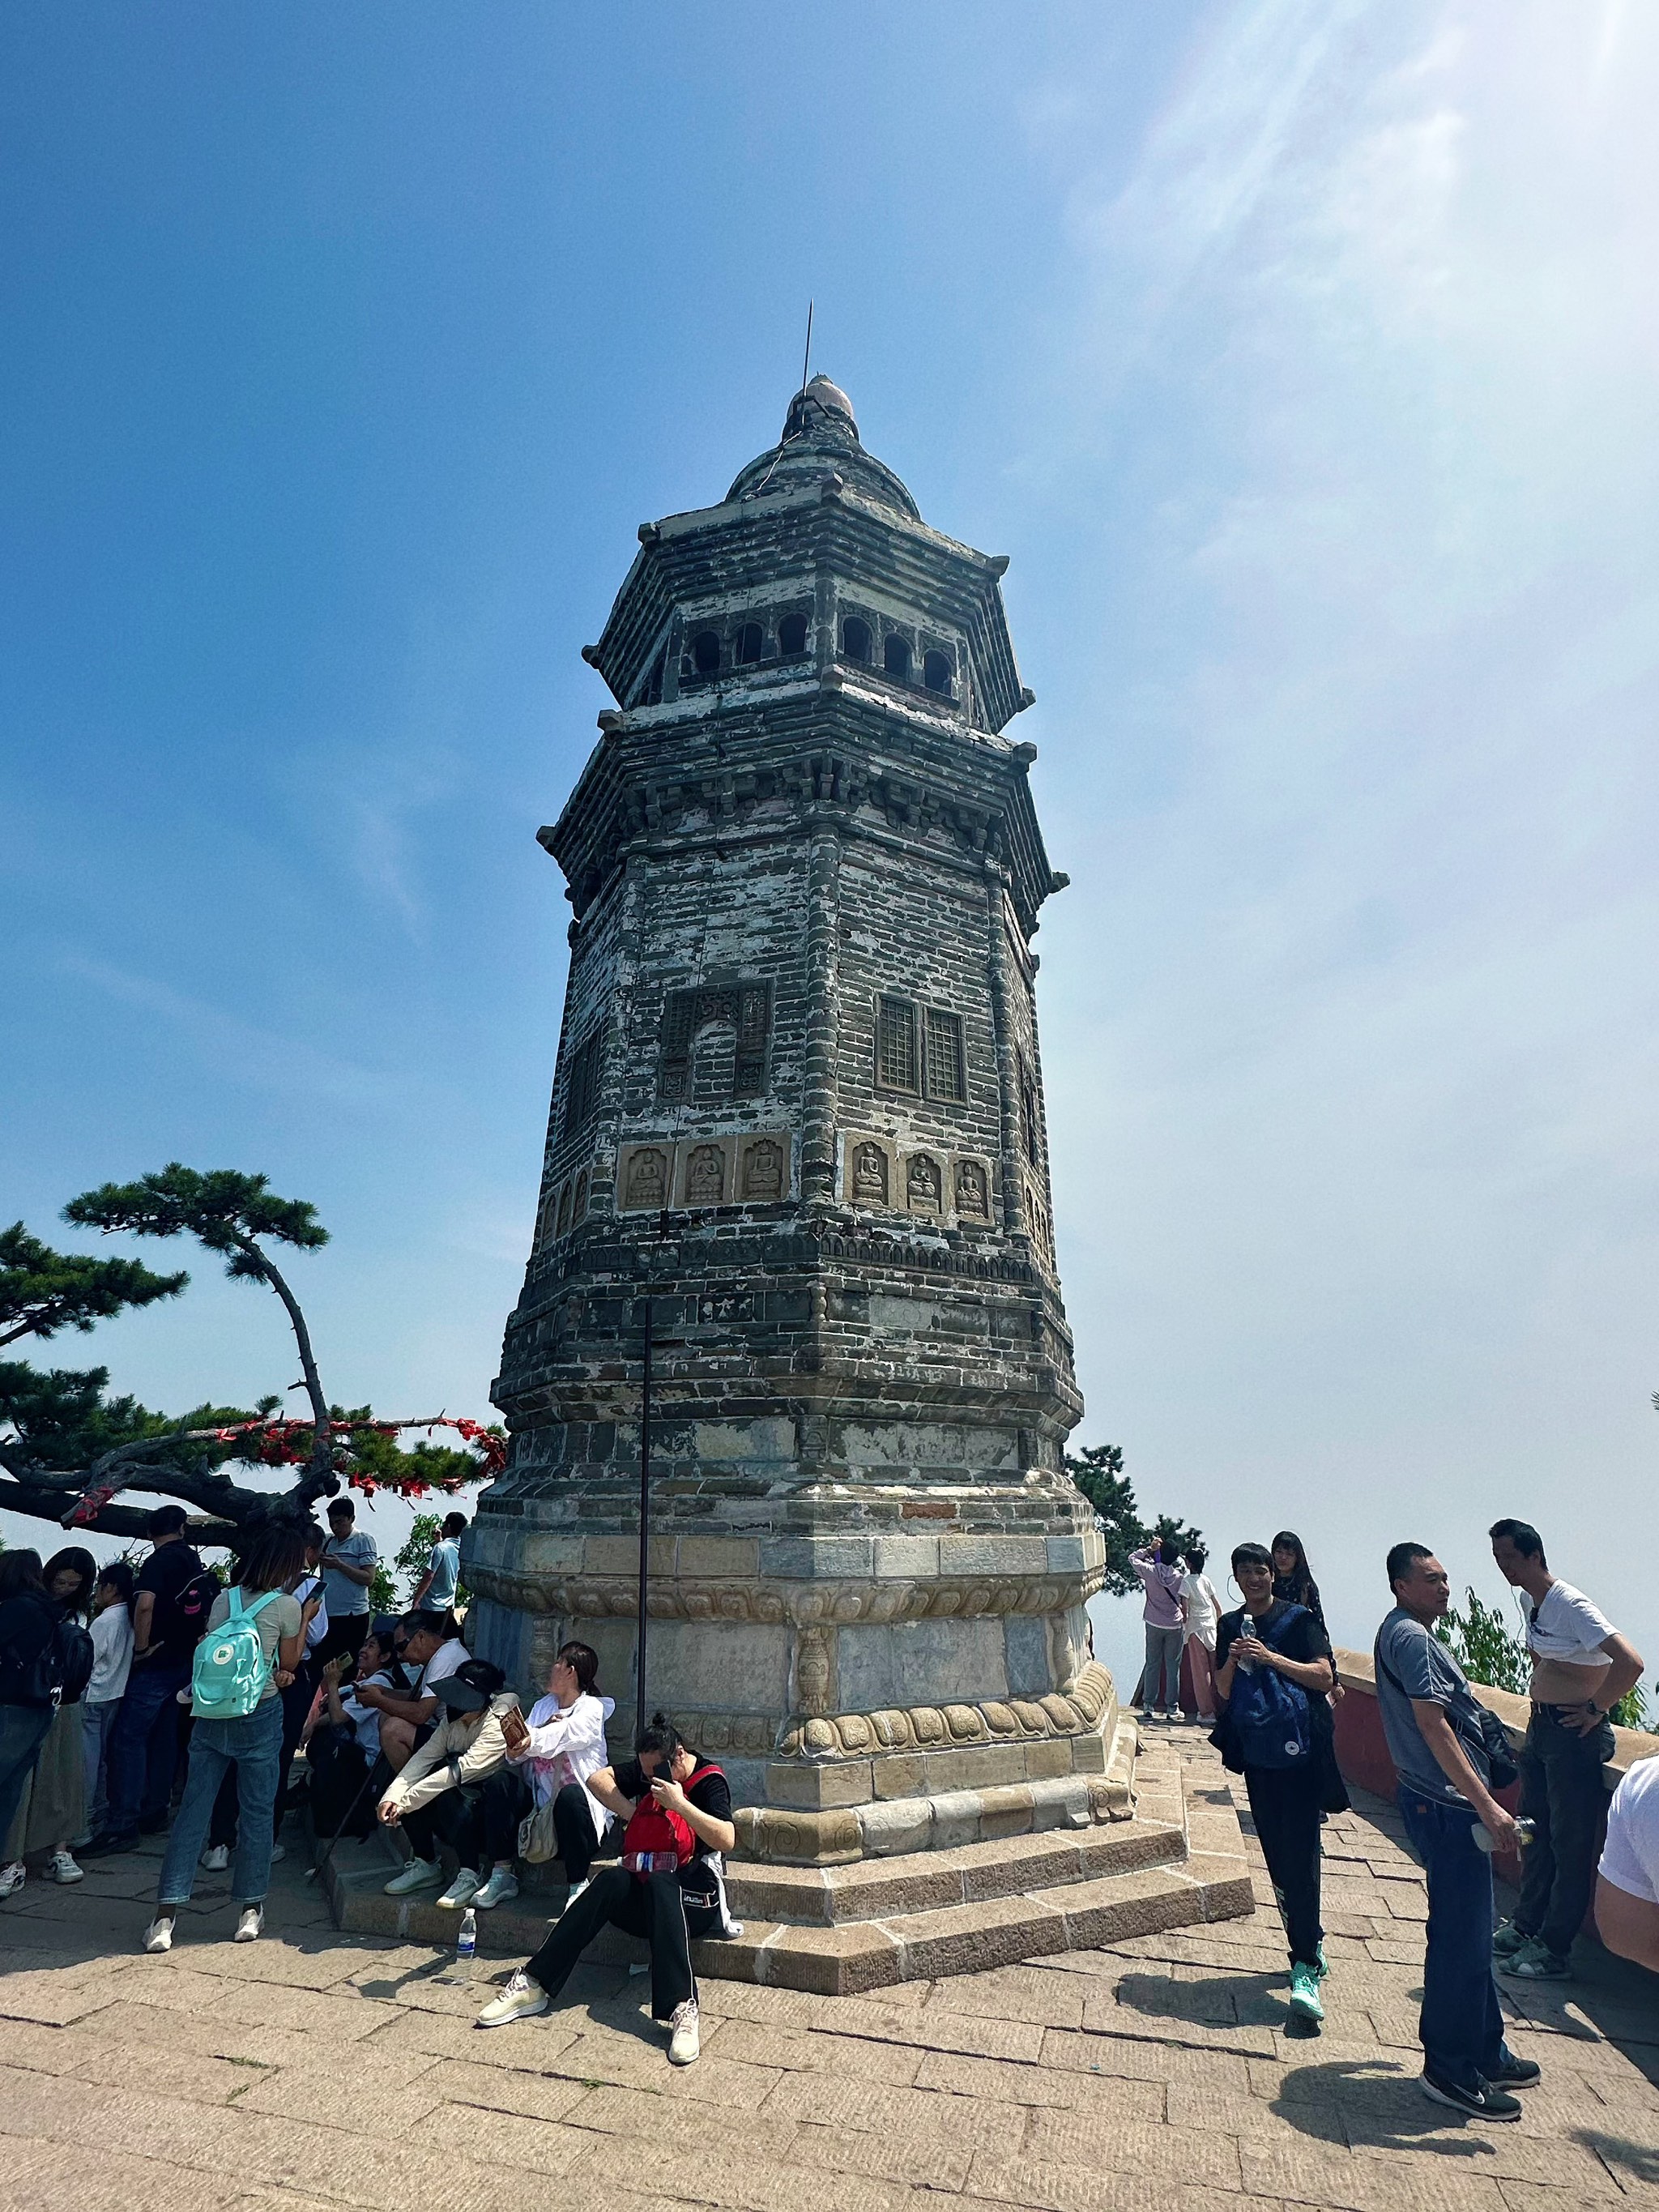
pixel 799 1103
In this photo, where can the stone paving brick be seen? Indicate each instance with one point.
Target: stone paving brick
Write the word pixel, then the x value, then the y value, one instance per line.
pixel 1140 2059
pixel 265 2004
pixel 1195 2109
pixel 1521 2151
pixel 883 2023
pixel 752 2002
pixel 1104 2099
pixel 1209 2159
pixel 532 2096
pixel 934 2162
pixel 1307 2173
pixel 1093 2189
pixel 1023 1993
pixel 791 2051
pixel 869 2104
pixel 40 2178
pixel 740 2181
pixel 365 2106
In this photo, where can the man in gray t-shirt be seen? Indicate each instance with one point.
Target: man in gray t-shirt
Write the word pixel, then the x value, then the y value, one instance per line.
pixel 1443 1800
pixel 1420 1667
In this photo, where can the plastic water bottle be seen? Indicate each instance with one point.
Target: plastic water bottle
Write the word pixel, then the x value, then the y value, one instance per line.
pixel 466 1946
pixel 1524 1832
pixel 1247 1627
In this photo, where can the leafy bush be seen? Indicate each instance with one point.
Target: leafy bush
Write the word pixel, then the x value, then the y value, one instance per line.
pixel 1484 1646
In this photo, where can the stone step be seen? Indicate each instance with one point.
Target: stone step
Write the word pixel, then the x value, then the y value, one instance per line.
pixel 923 1882
pixel 1070 1890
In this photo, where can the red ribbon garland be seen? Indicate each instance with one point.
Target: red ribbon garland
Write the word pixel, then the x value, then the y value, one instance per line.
pixel 287 1444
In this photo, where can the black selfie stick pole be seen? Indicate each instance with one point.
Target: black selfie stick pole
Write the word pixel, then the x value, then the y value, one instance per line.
pixel 645 1522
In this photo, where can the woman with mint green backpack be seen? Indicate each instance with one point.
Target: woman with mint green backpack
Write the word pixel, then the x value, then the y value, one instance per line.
pixel 250 1651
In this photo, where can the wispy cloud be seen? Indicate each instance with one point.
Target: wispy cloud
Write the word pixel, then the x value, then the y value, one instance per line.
pixel 238 1050
pixel 1366 547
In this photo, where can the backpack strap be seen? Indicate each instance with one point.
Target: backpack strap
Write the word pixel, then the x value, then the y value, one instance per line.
pixel 240 1612
pixel 701 1773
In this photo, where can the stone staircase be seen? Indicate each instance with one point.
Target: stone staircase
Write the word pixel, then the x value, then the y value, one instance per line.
pixel 1177 1859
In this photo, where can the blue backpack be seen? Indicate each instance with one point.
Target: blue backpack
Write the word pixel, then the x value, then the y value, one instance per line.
pixel 1267 1718
pixel 228 1676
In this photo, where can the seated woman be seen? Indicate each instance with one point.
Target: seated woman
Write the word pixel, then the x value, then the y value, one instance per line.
pixel 550 1758
pixel 435 1797
pixel 429 1648
pixel 666 1888
pixel 346 1742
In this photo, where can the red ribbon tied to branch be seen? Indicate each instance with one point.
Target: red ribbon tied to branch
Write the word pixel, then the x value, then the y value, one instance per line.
pixel 268 1442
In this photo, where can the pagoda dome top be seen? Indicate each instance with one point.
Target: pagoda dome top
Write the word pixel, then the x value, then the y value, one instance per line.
pixel 821 439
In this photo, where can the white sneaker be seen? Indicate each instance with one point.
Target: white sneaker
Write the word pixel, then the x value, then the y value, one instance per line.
pixel 522 1999
pixel 462 1891
pixel 575 1892
pixel 502 1884
pixel 216 1858
pixel 684 2044
pixel 251 1926
pixel 12 1878
pixel 63 1868
pixel 158 1936
pixel 419 1874
pixel 278 1852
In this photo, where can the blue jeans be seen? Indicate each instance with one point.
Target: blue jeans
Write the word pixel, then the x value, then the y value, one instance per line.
pixel 143 1747
pixel 22 1732
pixel 253 1745
pixel 1461 2025
pixel 97 1726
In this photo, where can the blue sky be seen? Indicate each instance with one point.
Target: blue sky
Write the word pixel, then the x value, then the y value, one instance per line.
pixel 1300 355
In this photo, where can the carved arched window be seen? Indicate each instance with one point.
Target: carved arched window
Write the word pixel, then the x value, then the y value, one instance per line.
pixel 936 673
pixel 751 640
pixel 896 656
pixel 791 635
pixel 855 638
pixel 706 651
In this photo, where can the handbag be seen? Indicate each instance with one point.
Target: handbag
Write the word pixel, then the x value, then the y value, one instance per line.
pixel 1482 1734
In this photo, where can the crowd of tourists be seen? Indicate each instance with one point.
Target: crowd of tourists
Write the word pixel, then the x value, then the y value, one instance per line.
pixel 1263 1678
pixel 114 1686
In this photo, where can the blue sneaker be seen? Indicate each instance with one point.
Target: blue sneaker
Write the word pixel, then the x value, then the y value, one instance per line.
pixel 1305 2000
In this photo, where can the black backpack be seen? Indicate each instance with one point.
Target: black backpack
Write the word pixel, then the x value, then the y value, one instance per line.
pixel 197 1600
pixel 56 1673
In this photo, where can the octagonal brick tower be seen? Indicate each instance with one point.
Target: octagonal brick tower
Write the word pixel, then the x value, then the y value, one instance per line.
pixel 799 1100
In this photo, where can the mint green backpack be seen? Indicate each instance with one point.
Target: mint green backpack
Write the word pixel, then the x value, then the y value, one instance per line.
pixel 230 1672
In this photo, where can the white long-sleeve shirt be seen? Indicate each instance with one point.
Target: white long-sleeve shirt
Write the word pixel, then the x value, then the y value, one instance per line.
pixel 567 1744
pixel 111 1654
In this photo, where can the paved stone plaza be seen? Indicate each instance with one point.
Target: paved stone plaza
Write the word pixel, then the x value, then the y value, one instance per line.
pixel 313 2069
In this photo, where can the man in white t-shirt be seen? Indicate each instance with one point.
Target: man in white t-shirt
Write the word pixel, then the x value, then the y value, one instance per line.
pixel 1581 1667
pixel 1627 1885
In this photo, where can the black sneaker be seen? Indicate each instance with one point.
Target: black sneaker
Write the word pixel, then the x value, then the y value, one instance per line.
pixel 1514 2073
pixel 1484 2103
pixel 103 1847
pixel 153 1823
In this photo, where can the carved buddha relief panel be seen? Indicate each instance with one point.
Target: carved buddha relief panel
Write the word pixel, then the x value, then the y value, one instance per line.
pixel 692 1172
pixel 880 1175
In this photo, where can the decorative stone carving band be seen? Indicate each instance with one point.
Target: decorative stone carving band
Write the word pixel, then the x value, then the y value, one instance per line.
pixel 829 1604
pixel 1076 1712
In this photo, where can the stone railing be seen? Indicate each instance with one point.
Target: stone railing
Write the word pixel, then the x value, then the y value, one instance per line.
pixel 1362 1749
